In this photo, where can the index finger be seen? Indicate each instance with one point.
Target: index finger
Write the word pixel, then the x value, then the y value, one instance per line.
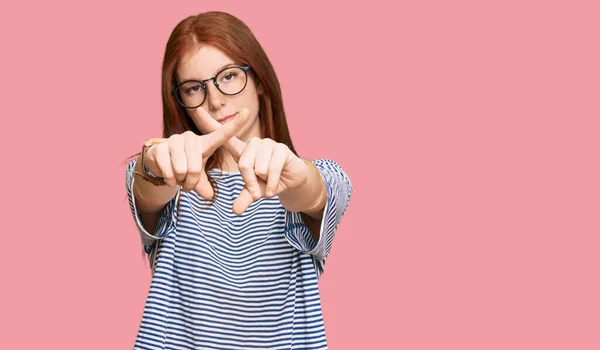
pixel 232 144
pixel 224 133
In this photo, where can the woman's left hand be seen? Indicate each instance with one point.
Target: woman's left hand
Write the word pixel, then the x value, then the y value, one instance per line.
pixel 267 167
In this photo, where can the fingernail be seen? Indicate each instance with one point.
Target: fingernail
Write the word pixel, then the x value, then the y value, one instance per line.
pixel 270 193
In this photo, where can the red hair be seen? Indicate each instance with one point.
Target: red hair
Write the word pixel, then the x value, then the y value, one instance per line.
pixel 235 39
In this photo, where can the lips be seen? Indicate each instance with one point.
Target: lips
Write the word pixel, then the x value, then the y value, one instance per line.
pixel 227 119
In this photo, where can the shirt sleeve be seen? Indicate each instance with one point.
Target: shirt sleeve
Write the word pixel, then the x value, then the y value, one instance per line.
pixel 339 192
pixel 166 222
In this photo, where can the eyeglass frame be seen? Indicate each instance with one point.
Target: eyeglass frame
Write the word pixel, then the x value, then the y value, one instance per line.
pixel 245 69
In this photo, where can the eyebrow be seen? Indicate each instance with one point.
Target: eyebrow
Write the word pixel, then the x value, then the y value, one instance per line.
pixel 218 70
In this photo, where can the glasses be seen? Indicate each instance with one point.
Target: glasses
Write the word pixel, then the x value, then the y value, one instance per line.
pixel 230 81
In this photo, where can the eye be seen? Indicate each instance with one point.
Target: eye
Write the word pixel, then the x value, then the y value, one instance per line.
pixel 229 76
pixel 194 89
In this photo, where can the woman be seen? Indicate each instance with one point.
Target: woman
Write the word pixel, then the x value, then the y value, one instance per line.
pixel 237 227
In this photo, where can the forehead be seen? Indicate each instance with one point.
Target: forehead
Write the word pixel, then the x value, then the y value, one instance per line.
pixel 202 63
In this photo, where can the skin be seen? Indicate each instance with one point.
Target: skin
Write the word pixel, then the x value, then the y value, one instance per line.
pixel 268 168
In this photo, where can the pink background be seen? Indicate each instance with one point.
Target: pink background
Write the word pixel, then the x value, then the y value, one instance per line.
pixel 469 131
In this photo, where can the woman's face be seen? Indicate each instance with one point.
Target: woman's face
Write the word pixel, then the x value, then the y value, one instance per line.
pixel 206 63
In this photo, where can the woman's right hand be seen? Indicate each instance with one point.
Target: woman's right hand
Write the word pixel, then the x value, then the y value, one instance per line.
pixel 181 158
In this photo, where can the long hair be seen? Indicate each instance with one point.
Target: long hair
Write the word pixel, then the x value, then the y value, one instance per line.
pixel 233 37
pixel 236 40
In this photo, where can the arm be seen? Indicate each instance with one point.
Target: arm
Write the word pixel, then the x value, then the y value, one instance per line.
pixel 315 236
pixel 308 198
pixel 151 225
pixel 320 202
pixel 180 160
pixel 150 199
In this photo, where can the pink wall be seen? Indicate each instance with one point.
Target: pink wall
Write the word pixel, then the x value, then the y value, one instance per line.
pixel 469 131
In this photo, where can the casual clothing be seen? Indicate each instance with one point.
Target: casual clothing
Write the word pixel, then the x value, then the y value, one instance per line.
pixel 223 281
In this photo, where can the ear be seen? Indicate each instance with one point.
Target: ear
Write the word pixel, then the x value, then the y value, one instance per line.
pixel 259 88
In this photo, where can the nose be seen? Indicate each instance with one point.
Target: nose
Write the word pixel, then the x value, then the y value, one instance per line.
pixel 215 98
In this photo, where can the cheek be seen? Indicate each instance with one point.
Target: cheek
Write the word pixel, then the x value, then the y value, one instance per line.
pixel 250 95
pixel 254 103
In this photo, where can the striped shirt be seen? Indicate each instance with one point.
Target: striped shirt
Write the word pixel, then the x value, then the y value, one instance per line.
pixel 223 281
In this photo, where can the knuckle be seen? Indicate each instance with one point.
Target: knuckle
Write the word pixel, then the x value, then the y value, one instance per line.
pixel 245 165
pixel 194 170
pixel 174 137
pixel 255 139
pixel 162 151
pixel 282 146
pixel 179 170
pixel 170 178
pixel 262 170
pixel 155 158
pixel 173 144
pixel 158 148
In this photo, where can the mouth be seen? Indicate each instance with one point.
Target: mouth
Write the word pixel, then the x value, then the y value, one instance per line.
pixel 228 118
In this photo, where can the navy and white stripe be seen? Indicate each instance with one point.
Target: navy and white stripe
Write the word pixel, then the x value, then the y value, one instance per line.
pixel 224 281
